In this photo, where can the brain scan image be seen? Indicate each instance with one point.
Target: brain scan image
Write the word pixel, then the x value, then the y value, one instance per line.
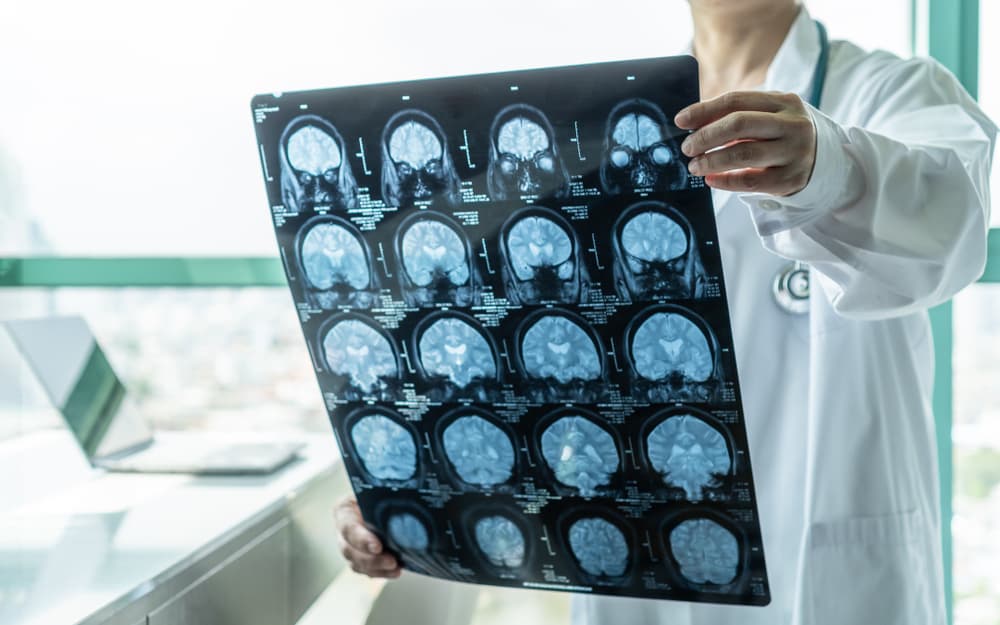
pixel 668 345
pixel 452 348
pixel 655 257
pixel 357 350
pixel 580 453
pixel 640 152
pixel 599 547
pixel 408 532
pixel 541 258
pixel 386 448
pixel 500 540
pixel 437 262
pixel 524 156
pixel 416 164
pixel 337 265
pixel 479 451
pixel 556 347
pixel 689 453
pixel 706 552
pixel 315 171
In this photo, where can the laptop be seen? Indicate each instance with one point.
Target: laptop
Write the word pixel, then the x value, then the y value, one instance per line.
pixel 72 368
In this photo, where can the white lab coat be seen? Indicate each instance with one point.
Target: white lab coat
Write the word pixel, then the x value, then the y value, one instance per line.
pixel 838 402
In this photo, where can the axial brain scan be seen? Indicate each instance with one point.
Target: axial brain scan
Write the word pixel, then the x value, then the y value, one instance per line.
pixel 541 256
pixel 416 165
pixel 436 262
pixel 314 167
pixel 581 453
pixel 668 344
pixel 480 452
pixel 688 453
pixel 452 348
pixel 409 532
pixel 599 547
pixel 640 153
pixel 556 347
pixel 524 155
pixel 706 552
pixel 357 350
pixel 500 540
pixel 386 448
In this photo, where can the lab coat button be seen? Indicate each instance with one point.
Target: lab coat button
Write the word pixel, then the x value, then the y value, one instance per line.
pixel 769 205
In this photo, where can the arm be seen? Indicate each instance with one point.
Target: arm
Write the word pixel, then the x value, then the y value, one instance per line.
pixel 893 216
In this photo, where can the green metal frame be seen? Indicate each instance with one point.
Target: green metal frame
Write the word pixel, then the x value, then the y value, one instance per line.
pixel 952 32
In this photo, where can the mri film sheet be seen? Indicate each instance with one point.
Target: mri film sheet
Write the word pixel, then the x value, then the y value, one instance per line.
pixel 512 297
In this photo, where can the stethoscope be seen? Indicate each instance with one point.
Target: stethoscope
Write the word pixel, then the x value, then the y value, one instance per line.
pixel 791 284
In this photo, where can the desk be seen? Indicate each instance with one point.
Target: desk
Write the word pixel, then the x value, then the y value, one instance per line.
pixel 92 547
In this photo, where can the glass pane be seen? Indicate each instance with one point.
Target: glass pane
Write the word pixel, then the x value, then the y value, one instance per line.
pixel 133 132
pixel 989 82
pixel 886 25
pixel 976 437
pixel 212 359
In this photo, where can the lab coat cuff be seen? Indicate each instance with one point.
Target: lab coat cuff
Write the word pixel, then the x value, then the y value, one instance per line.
pixel 824 191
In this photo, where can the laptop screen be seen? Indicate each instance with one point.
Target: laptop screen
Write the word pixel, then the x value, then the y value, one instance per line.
pixel 74 372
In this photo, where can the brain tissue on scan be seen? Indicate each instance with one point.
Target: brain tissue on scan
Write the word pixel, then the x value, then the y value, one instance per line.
pixel 500 540
pixel 312 151
pixel 652 237
pixel 408 532
pixel 537 243
pixel 454 349
pixel 599 547
pixel 356 350
pixel 432 251
pixel 669 343
pixel 706 552
pixel 386 448
pixel 556 347
pixel 581 453
pixel 332 256
pixel 480 452
pixel 688 453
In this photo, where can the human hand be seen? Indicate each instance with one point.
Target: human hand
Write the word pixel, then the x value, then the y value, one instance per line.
pixel 762 142
pixel 360 546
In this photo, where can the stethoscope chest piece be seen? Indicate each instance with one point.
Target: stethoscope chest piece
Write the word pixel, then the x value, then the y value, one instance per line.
pixel 791 288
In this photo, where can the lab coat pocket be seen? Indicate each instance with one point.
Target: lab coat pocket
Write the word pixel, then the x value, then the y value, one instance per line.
pixel 869 570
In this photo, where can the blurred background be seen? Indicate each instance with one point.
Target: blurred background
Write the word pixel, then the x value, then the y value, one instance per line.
pixel 126 131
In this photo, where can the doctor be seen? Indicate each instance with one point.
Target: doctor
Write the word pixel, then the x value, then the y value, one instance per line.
pixel 851 195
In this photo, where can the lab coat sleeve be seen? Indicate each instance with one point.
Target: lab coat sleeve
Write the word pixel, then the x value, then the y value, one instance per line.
pixel 895 216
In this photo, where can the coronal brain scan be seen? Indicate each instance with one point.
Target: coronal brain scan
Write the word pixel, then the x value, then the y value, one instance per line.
pixel 706 552
pixel 355 349
pixel 408 532
pixel 452 348
pixel 640 151
pixel 416 165
pixel 688 453
pixel 542 259
pixel 480 452
pixel 599 547
pixel 386 448
pixel 437 263
pixel 315 171
pixel 556 347
pixel 580 453
pixel 500 540
pixel 655 256
pixel 336 265
pixel 524 156
pixel 668 345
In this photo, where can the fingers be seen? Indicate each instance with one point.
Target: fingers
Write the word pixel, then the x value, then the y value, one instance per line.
pixel 702 113
pixel 775 180
pixel 360 546
pixel 733 127
pixel 742 155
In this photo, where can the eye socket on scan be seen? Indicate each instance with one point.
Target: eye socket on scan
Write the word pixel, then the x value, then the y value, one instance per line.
pixel 660 154
pixel 305 178
pixel 330 176
pixel 621 157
